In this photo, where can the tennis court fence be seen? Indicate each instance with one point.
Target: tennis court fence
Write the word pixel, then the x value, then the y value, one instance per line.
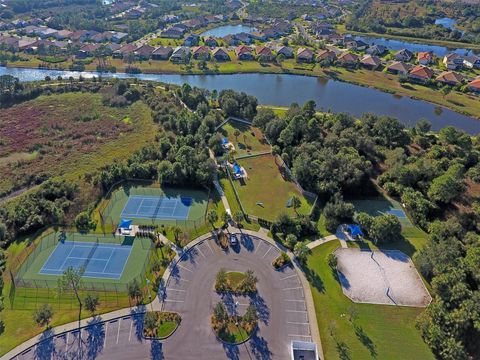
pixel 27 293
pixel 120 191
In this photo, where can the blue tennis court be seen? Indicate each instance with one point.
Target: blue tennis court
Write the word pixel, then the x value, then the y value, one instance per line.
pixel 157 207
pixel 399 213
pixel 105 261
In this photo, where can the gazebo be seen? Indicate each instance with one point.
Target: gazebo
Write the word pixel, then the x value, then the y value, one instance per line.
pixel 125 227
pixel 355 230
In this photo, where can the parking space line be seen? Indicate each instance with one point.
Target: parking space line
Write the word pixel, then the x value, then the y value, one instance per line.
pixel 130 333
pixel 206 242
pixel 305 336
pixel 106 331
pixel 270 248
pixel 66 342
pixel 288 277
pixel 295 288
pixel 294 300
pixel 297 323
pixel 258 247
pixel 183 280
pixel 174 301
pixel 184 268
pixel 200 251
pixel 176 290
pixel 296 311
pixel 118 331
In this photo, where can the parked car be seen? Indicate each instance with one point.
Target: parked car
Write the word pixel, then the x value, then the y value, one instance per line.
pixel 233 240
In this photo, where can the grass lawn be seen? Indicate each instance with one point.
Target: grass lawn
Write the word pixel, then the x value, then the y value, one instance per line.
pixel 235 278
pixel 166 328
pixel 233 334
pixel 249 141
pixel 377 331
pixel 265 193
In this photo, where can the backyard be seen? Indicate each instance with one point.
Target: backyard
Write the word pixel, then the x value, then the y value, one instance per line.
pixel 265 192
pixel 360 331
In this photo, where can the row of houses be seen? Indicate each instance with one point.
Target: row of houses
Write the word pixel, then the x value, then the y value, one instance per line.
pixel 45 32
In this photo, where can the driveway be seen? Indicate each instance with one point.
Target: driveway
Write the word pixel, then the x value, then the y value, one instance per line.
pixel 190 291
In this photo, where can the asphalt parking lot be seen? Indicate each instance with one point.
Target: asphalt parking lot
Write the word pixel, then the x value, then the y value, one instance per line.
pixel 190 291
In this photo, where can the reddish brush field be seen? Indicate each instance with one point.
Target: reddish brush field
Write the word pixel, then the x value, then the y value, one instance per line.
pixel 55 135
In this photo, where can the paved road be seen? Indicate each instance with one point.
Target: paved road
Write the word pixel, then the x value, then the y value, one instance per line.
pixel 189 290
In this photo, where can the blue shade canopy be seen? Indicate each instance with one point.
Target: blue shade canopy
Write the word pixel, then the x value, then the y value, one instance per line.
pixel 125 224
pixel 224 141
pixel 237 169
pixel 355 230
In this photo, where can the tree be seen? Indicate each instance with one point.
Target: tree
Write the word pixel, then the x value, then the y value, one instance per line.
pixel 212 217
pixel 301 251
pixel 43 315
pixel 250 316
pixel 221 280
pixel 71 280
pixel 177 231
pixel 236 133
pixel 337 212
pixel 91 303
pixel 134 290
pixel 238 218
pixel 290 241
pixel 220 312
pixel 386 228
pixel 249 283
pixel 296 203
pixel 226 218
pixel 3 231
pixel 447 187
pixel 332 261
pixel 150 322
pixel 83 222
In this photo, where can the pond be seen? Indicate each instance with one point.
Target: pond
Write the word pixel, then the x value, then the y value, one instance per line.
pixel 395 45
pixel 284 89
pixel 225 30
pixel 446 23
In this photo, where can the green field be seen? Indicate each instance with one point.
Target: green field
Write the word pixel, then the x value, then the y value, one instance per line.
pixel 250 140
pixel 112 207
pixel 265 193
pixel 135 266
pixel 374 332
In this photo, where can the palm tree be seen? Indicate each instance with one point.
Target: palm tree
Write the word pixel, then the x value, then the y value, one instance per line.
pixel 176 234
pixel 226 218
pixel 212 217
pixel 236 133
pixel 301 251
pixel 296 203
pixel 238 218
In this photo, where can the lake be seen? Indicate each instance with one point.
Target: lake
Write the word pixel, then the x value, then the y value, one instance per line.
pixel 283 89
pixel 393 44
pixel 225 30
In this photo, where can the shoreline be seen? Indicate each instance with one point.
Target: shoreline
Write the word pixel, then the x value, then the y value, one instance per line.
pixel 281 71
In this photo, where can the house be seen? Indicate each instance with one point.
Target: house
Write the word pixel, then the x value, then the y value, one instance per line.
pixel 424 57
pixel 399 68
pixel 24 44
pixel 63 34
pixel 231 40
pixel 125 50
pixel 172 33
pixel 370 62
pixel 474 85
pixel 180 55
pixel 87 50
pixel 144 52
pixel 201 52
pixel 257 35
pixel 118 36
pixel 9 42
pixel 403 55
pixel 472 62
pixel 45 32
pixel 192 40
pixel 450 78
pixel 101 37
pixel 244 52
pixel 453 61
pixel 420 73
pixel 220 54
pixel 304 55
pixel 243 38
pixel 325 56
pixel 348 59
pixel 376 50
pixel 210 41
pixel 113 47
pixel 162 53
pixel 264 53
pixel 358 45
pixel 285 51
pixel 335 39
pixel 79 36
